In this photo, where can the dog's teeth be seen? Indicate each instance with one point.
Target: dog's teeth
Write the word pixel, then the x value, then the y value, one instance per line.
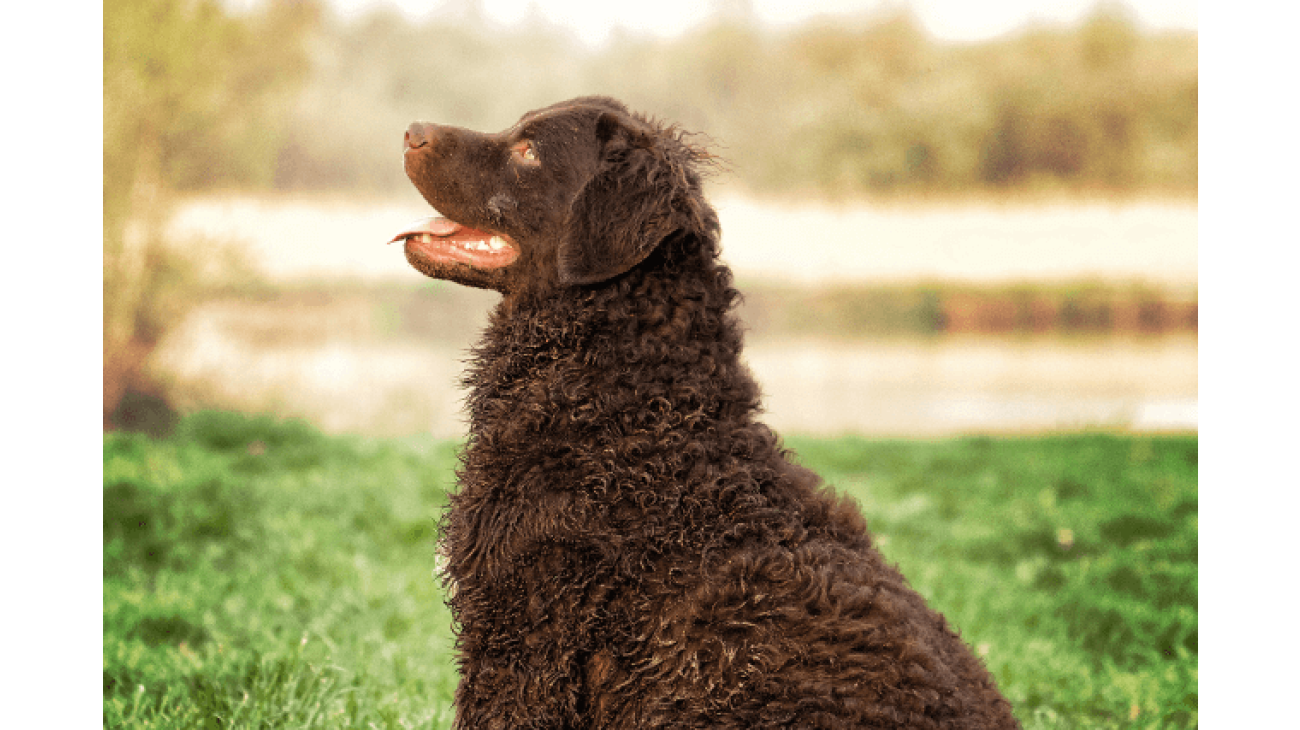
pixel 496 243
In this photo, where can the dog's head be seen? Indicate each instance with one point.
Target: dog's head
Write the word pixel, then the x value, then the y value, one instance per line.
pixel 572 195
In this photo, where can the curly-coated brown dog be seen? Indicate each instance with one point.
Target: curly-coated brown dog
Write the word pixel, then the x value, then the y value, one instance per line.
pixel 629 546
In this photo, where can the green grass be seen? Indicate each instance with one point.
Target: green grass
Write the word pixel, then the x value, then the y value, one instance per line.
pixel 260 574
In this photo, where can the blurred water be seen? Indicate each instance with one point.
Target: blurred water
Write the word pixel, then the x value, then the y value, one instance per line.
pixel 979 385
pixel 927 388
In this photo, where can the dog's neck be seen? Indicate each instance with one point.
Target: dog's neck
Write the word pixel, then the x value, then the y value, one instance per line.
pixel 665 317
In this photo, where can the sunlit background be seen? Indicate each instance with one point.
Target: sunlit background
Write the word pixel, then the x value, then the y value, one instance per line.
pixel 947 217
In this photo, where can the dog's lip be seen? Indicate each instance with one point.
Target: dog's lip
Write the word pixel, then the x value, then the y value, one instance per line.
pixel 440 239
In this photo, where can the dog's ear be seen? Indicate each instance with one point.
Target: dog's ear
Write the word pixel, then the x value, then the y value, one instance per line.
pixel 626 209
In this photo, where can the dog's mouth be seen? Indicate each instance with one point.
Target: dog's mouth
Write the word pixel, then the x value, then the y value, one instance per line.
pixel 441 240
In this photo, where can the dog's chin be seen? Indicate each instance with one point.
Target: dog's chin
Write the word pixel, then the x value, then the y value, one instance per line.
pixel 438 268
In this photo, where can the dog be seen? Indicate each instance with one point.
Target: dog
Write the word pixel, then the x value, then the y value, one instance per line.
pixel 630 546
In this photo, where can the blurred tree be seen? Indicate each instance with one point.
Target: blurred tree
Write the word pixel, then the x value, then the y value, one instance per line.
pixel 875 130
pixel 1108 38
pixel 192 98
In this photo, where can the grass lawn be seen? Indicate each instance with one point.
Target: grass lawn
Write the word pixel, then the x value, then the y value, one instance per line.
pixel 261 574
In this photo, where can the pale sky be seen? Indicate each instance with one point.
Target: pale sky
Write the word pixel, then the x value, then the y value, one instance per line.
pixel 958 20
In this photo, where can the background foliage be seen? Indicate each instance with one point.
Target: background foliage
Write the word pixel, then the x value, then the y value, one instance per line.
pixel 836 107
pixel 295 98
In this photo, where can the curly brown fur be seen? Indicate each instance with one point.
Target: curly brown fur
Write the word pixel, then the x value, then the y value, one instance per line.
pixel 630 546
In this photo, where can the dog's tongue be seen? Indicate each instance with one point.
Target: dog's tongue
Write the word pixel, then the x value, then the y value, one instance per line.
pixel 435 226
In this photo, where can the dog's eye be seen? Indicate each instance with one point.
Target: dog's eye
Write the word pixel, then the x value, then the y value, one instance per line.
pixel 524 150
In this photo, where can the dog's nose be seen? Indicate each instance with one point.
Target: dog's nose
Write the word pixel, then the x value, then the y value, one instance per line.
pixel 419 134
